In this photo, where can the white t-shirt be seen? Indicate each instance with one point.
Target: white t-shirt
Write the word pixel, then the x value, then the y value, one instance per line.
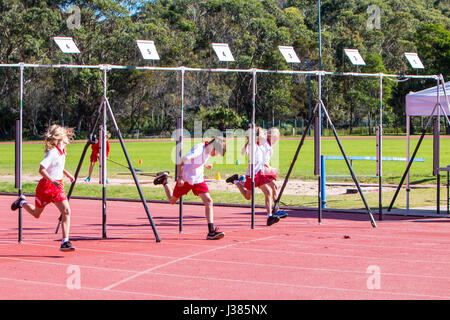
pixel 54 162
pixel 194 162
pixel 259 159
pixel 268 152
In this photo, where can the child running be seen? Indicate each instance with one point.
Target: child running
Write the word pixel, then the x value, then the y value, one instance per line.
pixel 95 155
pixel 273 136
pixel 190 177
pixel 51 187
pixel 261 181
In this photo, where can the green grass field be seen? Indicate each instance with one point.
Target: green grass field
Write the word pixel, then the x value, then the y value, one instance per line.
pixel 157 156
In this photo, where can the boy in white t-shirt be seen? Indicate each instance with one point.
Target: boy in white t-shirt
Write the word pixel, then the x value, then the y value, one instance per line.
pixel 51 187
pixel 190 177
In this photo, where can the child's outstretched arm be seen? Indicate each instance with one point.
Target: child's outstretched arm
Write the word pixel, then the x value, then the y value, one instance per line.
pixel 180 180
pixel 244 150
pixel 69 175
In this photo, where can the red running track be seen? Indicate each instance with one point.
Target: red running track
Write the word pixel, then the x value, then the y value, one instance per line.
pixel 296 259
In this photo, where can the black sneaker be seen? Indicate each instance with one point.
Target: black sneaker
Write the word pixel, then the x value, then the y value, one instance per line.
pixel 215 235
pixel 67 246
pixel 161 179
pixel 272 220
pixel 232 178
pixel 162 172
pixel 16 204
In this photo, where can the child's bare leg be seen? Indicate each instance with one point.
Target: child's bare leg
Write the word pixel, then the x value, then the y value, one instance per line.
pixel 246 193
pixel 268 197
pixel 208 202
pixel 31 209
pixel 91 168
pixel 64 209
pixel 168 191
pixel 274 188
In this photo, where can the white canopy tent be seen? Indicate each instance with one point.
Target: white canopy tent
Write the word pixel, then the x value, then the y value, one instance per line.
pixel 422 103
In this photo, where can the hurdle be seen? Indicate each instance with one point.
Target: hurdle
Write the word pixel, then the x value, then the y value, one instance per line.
pixel 323 159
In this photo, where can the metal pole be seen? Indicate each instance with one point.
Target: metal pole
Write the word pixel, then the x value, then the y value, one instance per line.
pixel 380 154
pixel 20 152
pixel 436 162
pixel 252 146
pixel 320 37
pixel 103 157
pixel 309 93
pixel 320 67
pixel 318 145
pixel 408 133
pixel 180 150
pixel 323 191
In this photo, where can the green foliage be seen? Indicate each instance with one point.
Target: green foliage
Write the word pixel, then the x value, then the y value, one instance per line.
pixel 220 118
pixel 183 30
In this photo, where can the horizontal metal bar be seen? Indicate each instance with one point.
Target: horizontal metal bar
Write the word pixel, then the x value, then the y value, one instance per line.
pixel 371 158
pixel 345 176
pixel 152 68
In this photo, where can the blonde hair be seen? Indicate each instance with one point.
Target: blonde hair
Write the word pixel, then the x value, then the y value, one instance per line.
pixel 219 145
pixel 56 133
pixel 274 131
pixel 274 135
pixel 260 132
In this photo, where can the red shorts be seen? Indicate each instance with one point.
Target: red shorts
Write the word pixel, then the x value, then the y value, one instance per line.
pixel 94 156
pixel 271 176
pixel 47 192
pixel 260 180
pixel 197 189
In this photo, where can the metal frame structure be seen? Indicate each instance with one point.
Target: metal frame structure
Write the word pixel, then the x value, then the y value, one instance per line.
pixel 319 74
pixel 436 136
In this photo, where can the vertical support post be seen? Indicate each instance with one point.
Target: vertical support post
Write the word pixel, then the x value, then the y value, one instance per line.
pixel 379 169
pixel 252 146
pixel 103 157
pixel 19 127
pixel 179 141
pixel 322 170
pixel 436 151
pixel 318 148
pixel 408 133
pixel 380 153
pixel 179 150
pixel 448 191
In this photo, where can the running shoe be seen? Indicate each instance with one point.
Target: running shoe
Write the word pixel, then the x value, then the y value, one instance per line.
pixel 16 204
pixel 161 179
pixel 215 235
pixel 280 214
pixel 67 246
pixel 272 220
pixel 232 178
pixel 87 179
